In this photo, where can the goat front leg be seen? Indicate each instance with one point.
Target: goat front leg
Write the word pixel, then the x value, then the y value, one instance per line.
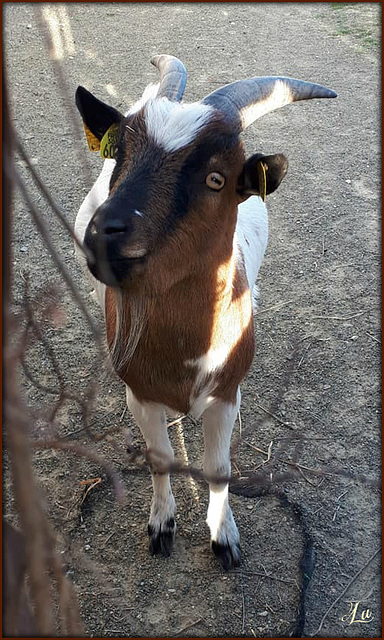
pixel 151 419
pixel 218 421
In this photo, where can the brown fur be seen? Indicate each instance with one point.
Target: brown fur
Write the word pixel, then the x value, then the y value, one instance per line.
pixel 196 299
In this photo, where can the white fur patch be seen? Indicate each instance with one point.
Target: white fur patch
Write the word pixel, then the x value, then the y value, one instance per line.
pixel 206 365
pixel 210 361
pixel 96 196
pixel 220 519
pixel 217 510
pixel 200 403
pixel 251 235
pixel 150 92
pixel 218 424
pixel 173 125
pixel 151 419
pixel 280 96
pixel 249 244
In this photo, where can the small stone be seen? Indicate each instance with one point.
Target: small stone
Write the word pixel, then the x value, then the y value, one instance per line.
pixel 29 26
pixel 87 547
pixel 263 613
pixel 23 248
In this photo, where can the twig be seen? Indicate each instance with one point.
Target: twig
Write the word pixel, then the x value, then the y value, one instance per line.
pixel 29 506
pixel 339 505
pixel 275 307
pixel 236 468
pixel 342 318
pixel 303 356
pixel 84 452
pixel 342 495
pixel 270 608
pixel 55 208
pixel 275 417
pixel 73 433
pixel 336 512
pixel 267 575
pixel 242 604
pixel 352 580
pixel 188 626
pixel 302 466
pixel 348 264
pixel 177 421
pixel 265 453
pixel 373 337
pixel 308 480
pixel 40 334
pixel 56 258
pixel 92 483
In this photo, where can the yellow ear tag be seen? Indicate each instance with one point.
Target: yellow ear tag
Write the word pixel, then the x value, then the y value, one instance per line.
pixel 262 180
pixel 109 141
pixel 93 142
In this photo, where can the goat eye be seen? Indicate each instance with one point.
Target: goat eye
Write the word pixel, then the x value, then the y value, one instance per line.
pixel 215 181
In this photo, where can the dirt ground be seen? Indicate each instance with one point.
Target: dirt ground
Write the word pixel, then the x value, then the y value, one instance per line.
pixel 317 366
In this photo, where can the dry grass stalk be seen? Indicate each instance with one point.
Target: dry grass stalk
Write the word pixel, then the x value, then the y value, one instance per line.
pixel 41 560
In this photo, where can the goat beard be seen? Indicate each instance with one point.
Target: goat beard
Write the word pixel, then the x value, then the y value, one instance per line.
pixel 131 317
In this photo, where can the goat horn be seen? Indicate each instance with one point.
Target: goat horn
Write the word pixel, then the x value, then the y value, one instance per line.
pixel 173 77
pixel 245 101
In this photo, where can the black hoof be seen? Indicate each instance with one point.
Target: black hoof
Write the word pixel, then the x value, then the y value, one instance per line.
pixel 230 557
pixel 161 540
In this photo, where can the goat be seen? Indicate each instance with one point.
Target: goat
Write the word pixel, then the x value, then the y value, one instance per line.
pixel 175 229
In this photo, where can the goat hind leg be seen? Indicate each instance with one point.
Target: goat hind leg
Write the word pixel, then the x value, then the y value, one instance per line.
pixel 151 420
pixel 218 421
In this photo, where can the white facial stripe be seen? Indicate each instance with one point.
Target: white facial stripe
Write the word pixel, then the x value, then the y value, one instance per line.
pixel 150 92
pixel 280 96
pixel 173 125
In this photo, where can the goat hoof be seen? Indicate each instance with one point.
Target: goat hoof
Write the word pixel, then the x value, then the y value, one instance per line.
pixel 161 538
pixel 229 556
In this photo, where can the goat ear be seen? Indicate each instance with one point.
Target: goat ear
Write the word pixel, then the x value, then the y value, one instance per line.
pixel 272 172
pixel 97 116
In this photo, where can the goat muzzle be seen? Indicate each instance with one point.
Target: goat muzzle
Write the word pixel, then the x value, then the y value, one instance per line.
pixel 116 258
